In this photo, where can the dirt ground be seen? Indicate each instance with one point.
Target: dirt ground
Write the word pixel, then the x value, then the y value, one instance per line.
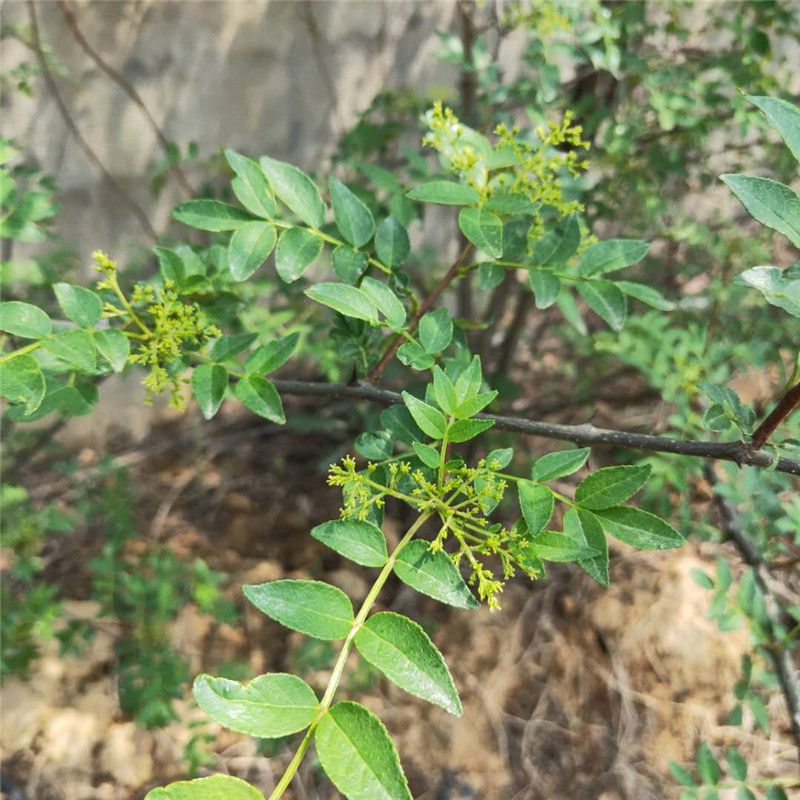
pixel 570 691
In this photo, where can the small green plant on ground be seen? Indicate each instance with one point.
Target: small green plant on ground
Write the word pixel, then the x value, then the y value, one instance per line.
pixel 140 590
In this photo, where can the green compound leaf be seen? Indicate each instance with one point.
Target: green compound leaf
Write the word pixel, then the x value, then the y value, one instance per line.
pixel 82 306
pixel 392 243
pixel 251 186
pixel 383 178
pixel 466 429
pixel 444 391
pixel 412 355
pixel 70 401
pixel 681 774
pixel 374 446
pixel 777 289
pixel 545 287
pixel 490 275
pixel 707 766
pixel 209 382
pixel 296 190
pixel 483 229
pixel 170 264
pixel 428 455
pixel 559 548
pixel 268 707
pixel 445 193
pixel 217 787
pixel 359 541
pixel 348 264
pixel 345 299
pixel 211 215
pixel 499 459
pixel 227 347
pixel 24 320
pixel 385 300
pixel 436 331
pixel 611 486
pixel 311 607
pixel 585 528
pixel 639 528
pixel 536 503
pixel 737 764
pixel 400 424
pixel 114 346
pixel 75 347
pixel 469 382
pixel 269 357
pixel 433 574
pixel 260 396
pixel 515 238
pixel 249 247
pixel 569 308
pixel 558 464
pixel 645 294
pixel 358 756
pixel 606 300
pixel 472 405
pixel 558 246
pixel 771 203
pixel 22 381
pixel 430 420
pixel 784 118
pixel 611 255
pixel 298 249
pixel 353 219
pixel 404 653
pixel 511 204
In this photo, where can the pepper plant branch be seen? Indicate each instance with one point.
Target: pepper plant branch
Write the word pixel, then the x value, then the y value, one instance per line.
pixel 583 434
pixel 338 669
pixel 785 406
pixel 425 306
pixel 127 87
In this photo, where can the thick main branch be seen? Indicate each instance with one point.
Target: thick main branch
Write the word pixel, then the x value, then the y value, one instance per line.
pixel 585 434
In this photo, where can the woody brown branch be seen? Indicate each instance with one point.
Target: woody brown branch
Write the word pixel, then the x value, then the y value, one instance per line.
pixel 585 434
pixel 425 306
pixel 787 404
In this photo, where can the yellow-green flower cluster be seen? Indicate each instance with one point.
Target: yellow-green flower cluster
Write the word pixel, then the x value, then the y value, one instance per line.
pixel 461 502
pixel 546 16
pixel 533 169
pixel 459 145
pixel 104 265
pixel 538 168
pixel 175 326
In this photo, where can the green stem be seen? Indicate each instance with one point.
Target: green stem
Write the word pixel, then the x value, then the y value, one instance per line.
pixel 338 669
pixel 27 349
pixel 443 453
pixel 112 281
